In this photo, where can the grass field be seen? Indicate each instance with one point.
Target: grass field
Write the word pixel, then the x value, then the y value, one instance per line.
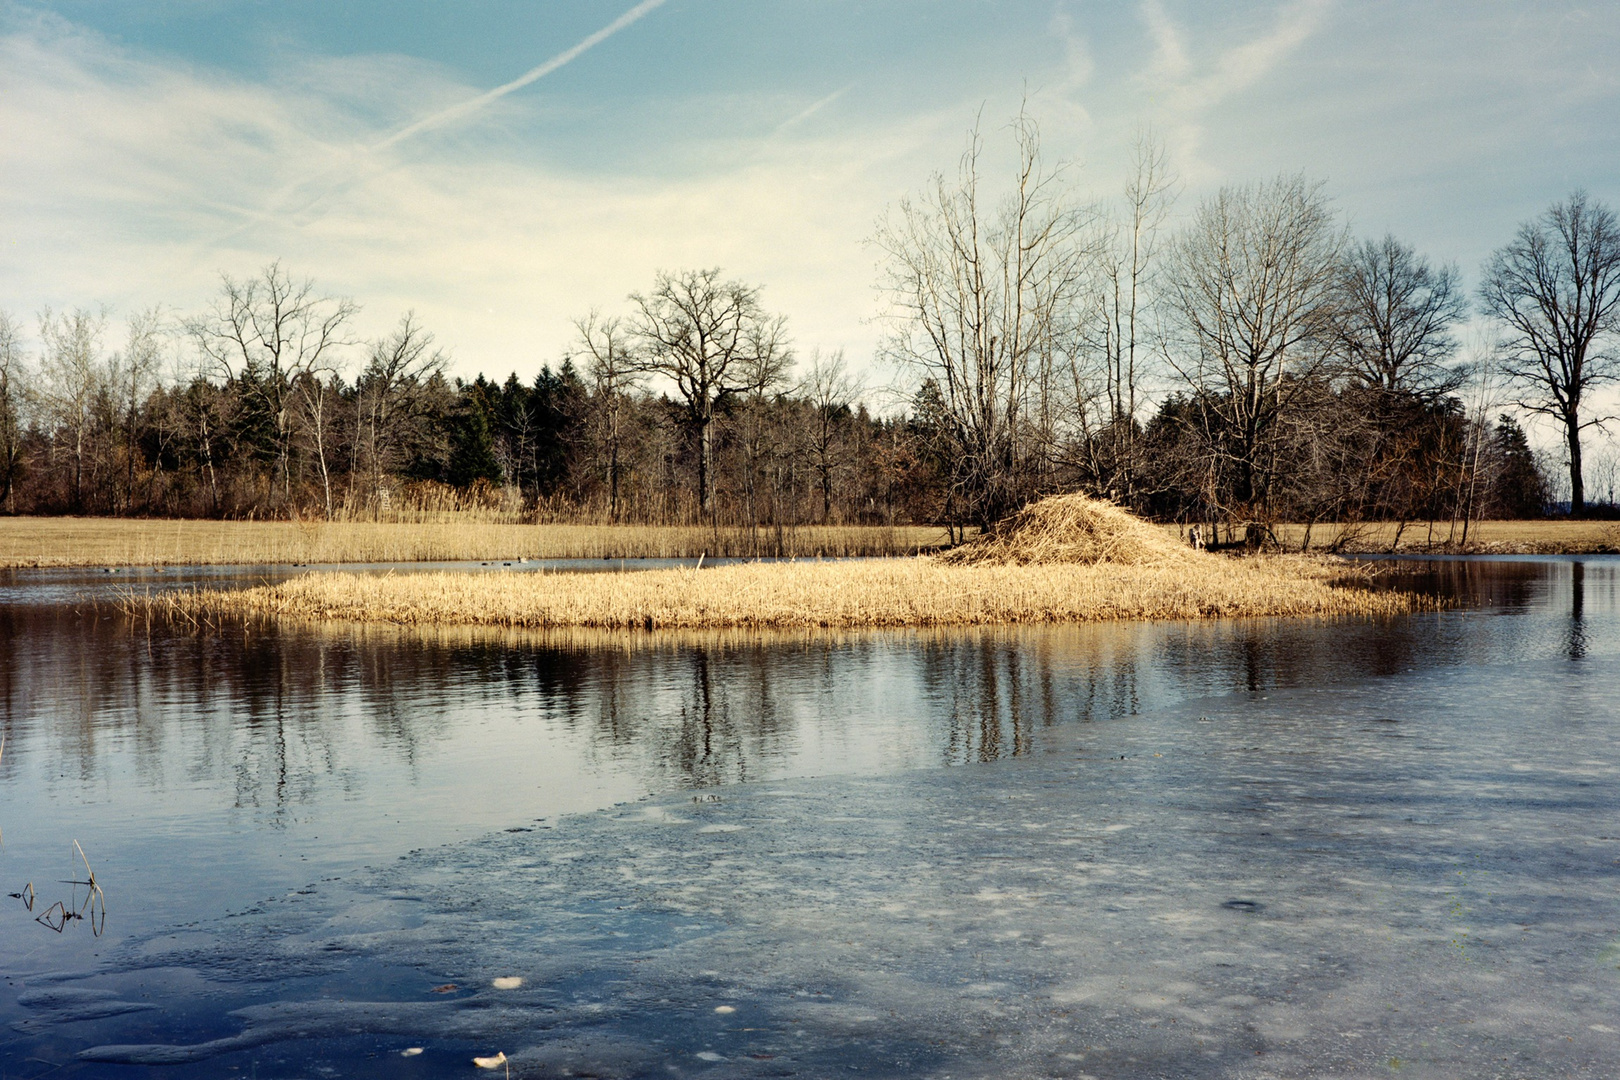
pixel 60 541
pixel 1484 537
pixel 63 541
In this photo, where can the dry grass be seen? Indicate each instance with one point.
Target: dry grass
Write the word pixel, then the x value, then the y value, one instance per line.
pixel 1072 529
pixel 879 593
pixel 1484 537
pixel 1065 559
pixel 114 542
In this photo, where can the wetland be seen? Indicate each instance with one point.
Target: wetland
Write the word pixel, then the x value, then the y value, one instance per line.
pixel 1234 847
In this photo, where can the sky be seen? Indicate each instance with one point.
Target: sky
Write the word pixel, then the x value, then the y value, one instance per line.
pixel 502 167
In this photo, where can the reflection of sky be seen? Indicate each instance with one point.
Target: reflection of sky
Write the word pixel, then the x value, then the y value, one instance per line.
pixel 182 138
pixel 265 758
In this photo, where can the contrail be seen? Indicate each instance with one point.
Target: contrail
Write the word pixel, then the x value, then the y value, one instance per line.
pixel 456 112
pixel 351 171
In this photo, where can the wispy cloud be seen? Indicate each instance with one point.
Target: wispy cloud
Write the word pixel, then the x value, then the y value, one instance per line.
pixel 124 173
pixel 1186 87
pixel 351 166
pixel 804 114
pixel 466 108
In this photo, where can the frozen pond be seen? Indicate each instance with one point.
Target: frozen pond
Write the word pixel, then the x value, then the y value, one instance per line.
pixel 1278 848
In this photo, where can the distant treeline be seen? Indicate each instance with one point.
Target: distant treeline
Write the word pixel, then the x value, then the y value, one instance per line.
pixel 1256 365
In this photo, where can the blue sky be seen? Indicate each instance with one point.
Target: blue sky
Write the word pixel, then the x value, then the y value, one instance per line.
pixel 146 147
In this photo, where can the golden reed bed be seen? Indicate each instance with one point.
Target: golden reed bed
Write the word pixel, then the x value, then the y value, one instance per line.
pixel 880 593
pixel 47 541
pixel 1068 558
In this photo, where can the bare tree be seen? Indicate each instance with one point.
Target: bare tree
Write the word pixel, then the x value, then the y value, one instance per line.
pixel 713 339
pixel 983 302
pixel 393 395
pixel 313 394
pixel 830 390
pixel 75 374
pixel 610 365
pixel 263 334
pixel 1106 367
pixel 135 373
pixel 13 414
pixel 1398 318
pixel 1555 291
pixel 1253 283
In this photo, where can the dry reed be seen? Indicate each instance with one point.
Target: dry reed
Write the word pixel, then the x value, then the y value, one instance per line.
pixel 122 542
pixel 913 592
pixel 1065 559
pixel 1557 537
pixel 1072 529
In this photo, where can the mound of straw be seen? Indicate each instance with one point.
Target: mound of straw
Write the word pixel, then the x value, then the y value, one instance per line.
pixel 1072 529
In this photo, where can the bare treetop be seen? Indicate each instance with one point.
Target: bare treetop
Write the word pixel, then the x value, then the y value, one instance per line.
pixel 1555 292
pixel 983 301
pixel 1253 281
pixel 713 339
pixel 1397 317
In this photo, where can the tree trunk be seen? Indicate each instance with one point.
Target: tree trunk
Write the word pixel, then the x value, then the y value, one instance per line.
pixel 705 465
pixel 1577 488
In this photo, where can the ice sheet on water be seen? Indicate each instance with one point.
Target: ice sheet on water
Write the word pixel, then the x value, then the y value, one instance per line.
pixel 1286 891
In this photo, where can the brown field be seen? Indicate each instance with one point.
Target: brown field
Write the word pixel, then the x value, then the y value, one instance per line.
pixel 884 593
pixel 1484 537
pixel 64 541
pixel 53 541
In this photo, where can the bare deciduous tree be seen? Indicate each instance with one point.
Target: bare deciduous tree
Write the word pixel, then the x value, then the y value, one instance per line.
pixel 1253 282
pixel 393 394
pixel 13 414
pixel 1397 318
pixel 75 374
pixel 984 301
pixel 712 339
pixel 610 365
pixel 1107 365
pixel 830 390
pixel 266 332
pixel 135 373
pixel 1555 291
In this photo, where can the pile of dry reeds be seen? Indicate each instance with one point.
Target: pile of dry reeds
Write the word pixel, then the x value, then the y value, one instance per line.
pixel 1072 529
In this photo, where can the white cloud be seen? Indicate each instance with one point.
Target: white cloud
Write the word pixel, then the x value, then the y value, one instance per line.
pixel 132 182
pixel 1184 87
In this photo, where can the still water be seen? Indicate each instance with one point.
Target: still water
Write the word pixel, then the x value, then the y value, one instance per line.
pixel 1275 847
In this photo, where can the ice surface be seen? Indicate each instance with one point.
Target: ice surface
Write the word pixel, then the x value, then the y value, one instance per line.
pixel 1416 874
pixel 1281 848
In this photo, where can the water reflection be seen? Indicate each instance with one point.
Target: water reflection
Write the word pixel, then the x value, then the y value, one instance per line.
pixel 262 749
pixel 1577 606
pixel 277 709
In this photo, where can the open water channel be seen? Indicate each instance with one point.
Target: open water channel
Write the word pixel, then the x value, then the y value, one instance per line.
pixel 1276 848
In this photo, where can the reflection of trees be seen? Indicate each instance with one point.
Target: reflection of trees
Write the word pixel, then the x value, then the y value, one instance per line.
pixel 273 717
pixel 1577 611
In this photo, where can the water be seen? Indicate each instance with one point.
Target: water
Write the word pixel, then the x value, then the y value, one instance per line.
pixel 1278 847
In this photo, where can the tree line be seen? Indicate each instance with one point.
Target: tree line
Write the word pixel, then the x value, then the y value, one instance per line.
pixel 1256 364
pixel 266 404
pixel 1297 372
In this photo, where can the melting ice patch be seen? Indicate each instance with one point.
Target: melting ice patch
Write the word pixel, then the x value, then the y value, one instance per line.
pixel 1287 894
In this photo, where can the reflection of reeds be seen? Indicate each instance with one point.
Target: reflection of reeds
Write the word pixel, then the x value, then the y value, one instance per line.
pixel 917 592
pixel 112 542
pixel 92 909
